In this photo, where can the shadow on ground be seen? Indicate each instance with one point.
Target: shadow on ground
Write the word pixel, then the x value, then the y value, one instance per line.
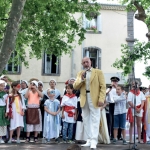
pixel 54 146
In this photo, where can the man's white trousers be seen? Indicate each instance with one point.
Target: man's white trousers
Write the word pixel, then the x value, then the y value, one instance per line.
pixel 91 120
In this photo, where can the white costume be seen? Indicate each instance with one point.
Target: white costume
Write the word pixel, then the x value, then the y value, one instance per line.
pixel 66 101
pixel 17 119
pixel 51 123
pixel 103 136
pixel 139 99
pixel 80 131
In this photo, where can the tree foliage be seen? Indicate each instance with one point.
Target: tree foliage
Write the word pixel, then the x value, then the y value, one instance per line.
pixel 141 50
pixel 47 25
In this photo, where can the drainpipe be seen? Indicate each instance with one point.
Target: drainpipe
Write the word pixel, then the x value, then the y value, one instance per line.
pixel 130 39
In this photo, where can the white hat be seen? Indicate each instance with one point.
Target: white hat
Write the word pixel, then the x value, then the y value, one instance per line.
pixel 35 82
pixel 3 82
pixel 40 82
pixel 53 80
pixel 2 76
pixel 71 79
pixel 25 82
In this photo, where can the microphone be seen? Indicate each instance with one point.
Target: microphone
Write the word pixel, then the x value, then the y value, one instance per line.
pixel 85 74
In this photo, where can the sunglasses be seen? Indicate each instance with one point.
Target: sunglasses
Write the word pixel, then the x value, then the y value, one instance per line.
pixel 52 92
pixel 40 85
pixel 32 84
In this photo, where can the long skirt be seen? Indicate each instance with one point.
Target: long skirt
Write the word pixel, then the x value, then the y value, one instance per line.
pixel 35 127
pixel 17 120
pixel 103 136
pixel 3 121
pixel 80 133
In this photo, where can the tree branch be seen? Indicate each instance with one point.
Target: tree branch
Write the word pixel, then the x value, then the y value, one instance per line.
pixel 4 19
pixel 141 12
pixel 141 15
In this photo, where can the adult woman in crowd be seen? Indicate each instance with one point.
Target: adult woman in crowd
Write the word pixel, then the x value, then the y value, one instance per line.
pixel 40 86
pixel 52 84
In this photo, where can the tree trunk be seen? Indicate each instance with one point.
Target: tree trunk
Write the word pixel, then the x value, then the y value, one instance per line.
pixel 141 15
pixel 9 41
pixel 148 34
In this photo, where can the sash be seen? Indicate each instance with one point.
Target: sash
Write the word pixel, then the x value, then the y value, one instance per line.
pixel 70 95
pixel 130 115
pixel 69 109
pixel 135 92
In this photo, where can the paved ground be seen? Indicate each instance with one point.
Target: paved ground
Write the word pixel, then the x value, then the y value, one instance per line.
pixel 53 146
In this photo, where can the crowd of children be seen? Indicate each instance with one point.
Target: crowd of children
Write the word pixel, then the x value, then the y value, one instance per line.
pixel 22 107
pixel 28 106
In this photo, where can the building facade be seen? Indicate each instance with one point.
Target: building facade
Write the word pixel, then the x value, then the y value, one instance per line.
pixel 102 46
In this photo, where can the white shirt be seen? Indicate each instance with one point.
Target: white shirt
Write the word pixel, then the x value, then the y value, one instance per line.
pixel 88 76
pixel 120 104
pixel 66 101
pixel 139 98
pixel 23 91
pixel 3 100
pixel 110 95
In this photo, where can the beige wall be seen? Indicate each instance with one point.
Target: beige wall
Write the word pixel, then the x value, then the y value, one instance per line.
pixel 114 33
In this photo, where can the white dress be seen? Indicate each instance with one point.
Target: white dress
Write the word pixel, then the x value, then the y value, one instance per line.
pixel 17 120
pixel 80 133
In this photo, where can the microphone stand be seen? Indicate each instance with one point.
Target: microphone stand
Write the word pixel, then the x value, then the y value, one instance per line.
pixel 134 147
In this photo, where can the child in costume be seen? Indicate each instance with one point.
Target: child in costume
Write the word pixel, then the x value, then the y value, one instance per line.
pixel 51 116
pixel 33 113
pixel 3 115
pixel 140 98
pixel 69 112
pixel 15 110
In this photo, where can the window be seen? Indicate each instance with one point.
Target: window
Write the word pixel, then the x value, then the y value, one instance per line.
pixel 51 64
pixel 93 24
pixel 94 54
pixel 13 67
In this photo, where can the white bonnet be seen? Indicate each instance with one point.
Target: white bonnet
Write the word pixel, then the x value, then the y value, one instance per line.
pixel 53 80
pixel 35 82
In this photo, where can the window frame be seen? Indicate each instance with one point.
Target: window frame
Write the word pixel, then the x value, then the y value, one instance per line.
pixel 98 24
pixel 99 60
pixel 43 66
pixel 13 72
